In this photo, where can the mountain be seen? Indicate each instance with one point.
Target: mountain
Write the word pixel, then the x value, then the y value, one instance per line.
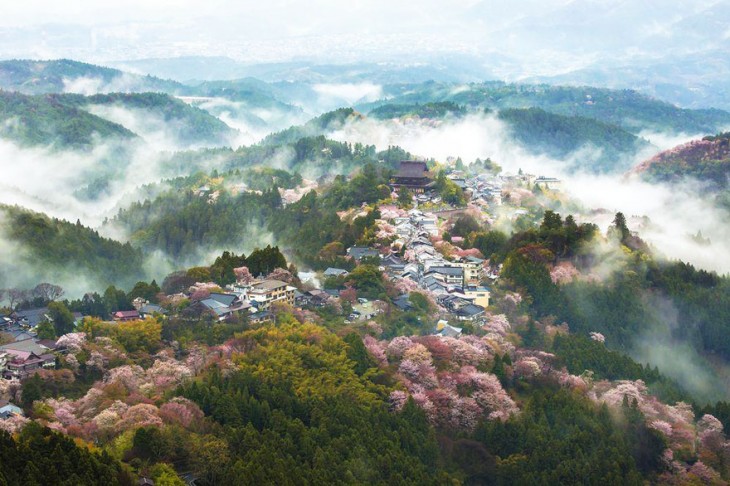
pixel 707 160
pixel 627 109
pixel 150 112
pixel 315 127
pixel 50 249
pixel 49 120
pixel 539 131
pixel 76 121
pixel 64 75
pixel 427 110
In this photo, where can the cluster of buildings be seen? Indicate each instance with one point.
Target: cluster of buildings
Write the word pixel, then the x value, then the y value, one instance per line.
pixel 24 353
pixel 254 298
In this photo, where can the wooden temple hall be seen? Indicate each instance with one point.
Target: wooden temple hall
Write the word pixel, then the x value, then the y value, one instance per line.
pixel 414 176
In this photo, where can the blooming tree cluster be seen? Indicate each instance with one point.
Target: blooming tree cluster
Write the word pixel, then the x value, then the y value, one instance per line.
pixel 563 272
pixel 441 376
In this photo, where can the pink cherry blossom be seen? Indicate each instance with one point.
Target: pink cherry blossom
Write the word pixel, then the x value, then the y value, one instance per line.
pixel 397 399
pixel 598 337
pixel 13 423
pixel 181 411
pixel 73 341
pixel 398 347
pixel 375 349
pixel 497 323
pixel 243 276
pixel 563 272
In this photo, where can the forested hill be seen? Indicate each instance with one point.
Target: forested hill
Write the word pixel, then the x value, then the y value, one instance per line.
pixel 558 136
pixel 77 121
pixel 626 108
pixel 48 120
pixel 56 248
pixel 187 124
pixel 427 110
pixel 63 75
pixel 315 127
pixel 707 159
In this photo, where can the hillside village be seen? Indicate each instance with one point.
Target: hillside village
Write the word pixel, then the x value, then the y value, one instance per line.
pixel 456 282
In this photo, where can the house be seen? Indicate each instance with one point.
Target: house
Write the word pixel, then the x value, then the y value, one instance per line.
pixel 449 275
pixel 335 272
pixel 138 302
pixel 19 334
pixel 469 312
pixel 7 409
pixel 403 303
pixel 434 286
pixel 473 269
pixel 148 310
pixel 232 301
pixel 550 183
pixel 263 293
pixel 307 277
pixel 32 317
pixel 414 176
pixel 24 358
pixel 478 295
pixel 392 264
pixel 313 298
pixel 453 301
pixel 446 330
pixel 357 253
pixel 122 316
pixel 261 316
pixel 210 306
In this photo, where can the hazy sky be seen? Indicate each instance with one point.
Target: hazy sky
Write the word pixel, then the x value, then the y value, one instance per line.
pixel 327 29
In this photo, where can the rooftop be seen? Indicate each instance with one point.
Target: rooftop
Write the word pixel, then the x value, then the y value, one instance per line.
pixel 412 168
pixel 268 285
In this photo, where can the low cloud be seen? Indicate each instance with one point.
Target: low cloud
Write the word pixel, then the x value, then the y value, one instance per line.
pixel 675 211
pixel 677 358
pixel 333 95
pixel 89 85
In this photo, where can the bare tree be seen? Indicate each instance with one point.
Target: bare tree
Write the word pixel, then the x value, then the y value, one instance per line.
pixel 48 292
pixel 16 296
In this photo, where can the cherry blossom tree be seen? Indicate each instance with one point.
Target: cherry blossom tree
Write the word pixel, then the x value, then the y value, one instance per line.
pixel 398 347
pixel 243 275
pixel 73 341
pixel 13 423
pixel 375 349
pixel 9 389
pixel 497 323
pixel 181 411
pixel 563 272
pixel 397 400
pixel 141 415
pixel 598 337
pixel 281 274
pixel 166 374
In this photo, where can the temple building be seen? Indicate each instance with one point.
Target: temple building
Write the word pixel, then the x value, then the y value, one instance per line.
pixel 414 176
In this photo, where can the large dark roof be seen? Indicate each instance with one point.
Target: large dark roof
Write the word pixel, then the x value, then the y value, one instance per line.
pixel 33 316
pixel 225 299
pixel 454 271
pixel 412 168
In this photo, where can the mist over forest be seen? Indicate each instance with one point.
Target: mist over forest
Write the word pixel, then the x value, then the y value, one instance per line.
pixel 454 242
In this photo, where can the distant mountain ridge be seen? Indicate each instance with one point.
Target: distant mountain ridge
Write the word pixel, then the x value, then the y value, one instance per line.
pixel 58 76
pixel 627 109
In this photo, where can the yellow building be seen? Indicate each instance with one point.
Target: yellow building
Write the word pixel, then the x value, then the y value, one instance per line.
pixel 478 295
